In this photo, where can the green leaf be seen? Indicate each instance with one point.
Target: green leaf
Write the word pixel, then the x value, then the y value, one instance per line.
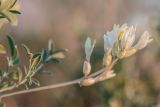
pixel 89 48
pixel 13 51
pixel 2 16
pixel 26 49
pixel 36 55
pixel 35 62
pixel 43 55
pixel 11 44
pixel 88 45
pixel 15 12
pixel 2 104
pixel 2 49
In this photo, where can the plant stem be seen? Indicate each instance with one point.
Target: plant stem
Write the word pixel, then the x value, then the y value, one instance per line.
pixel 77 81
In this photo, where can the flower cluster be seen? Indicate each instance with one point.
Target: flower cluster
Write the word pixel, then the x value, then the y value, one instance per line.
pixel 118 43
pixel 121 41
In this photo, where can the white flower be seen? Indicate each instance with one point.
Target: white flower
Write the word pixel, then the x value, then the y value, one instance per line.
pixel 143 41
pixel 121 41
pixel 110 38
pixel 128 38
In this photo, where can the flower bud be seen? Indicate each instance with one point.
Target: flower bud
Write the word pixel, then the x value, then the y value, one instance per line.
pixel 86 68
pixel 87 82
pixel 105 75
pixel 107 58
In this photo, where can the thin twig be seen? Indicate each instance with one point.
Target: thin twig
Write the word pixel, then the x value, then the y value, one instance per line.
pixel 77 81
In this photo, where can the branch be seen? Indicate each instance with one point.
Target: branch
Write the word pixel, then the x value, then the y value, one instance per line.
pixel 77 81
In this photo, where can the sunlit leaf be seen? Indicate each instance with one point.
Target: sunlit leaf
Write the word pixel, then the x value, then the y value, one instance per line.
pixel 51 45
pixel 58 55
pixel 35 62
pixel 11 17
pixel 7 4
pixel 2 49
pixel 26 49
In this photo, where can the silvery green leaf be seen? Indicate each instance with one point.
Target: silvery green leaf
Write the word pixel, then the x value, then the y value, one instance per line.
pixel 89 48
pixel 88 45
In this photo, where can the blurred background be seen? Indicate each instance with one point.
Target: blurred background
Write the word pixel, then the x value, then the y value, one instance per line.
pixel 68 23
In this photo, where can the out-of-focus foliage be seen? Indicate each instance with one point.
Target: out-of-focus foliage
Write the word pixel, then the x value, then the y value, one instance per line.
pixel 8 11
pixel 16 74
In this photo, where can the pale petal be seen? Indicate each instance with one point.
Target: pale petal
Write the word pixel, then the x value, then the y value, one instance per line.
pixel 110 38
pixel 128 38
pixel 143 41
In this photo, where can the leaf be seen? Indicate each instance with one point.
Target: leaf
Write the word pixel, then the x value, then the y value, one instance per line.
pixel 6 84
pixel 89 48
pixel 87 45
pixel 43 55
pixel 35 81
pixel 2 104
pixel 16 75
pixel 13 51
pixel 2 49
pixel 52 60
pixel 14 11
pixel 35 62
pixel 10 17
pixel 20 75
pixel 26 49
pixel 1 16
pixel 36 55
pixel 7 4
pixel 15 1
pixel 58 55
pixel 51 45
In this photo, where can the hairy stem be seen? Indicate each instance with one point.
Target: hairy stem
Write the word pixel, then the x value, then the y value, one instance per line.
pixel 77 81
